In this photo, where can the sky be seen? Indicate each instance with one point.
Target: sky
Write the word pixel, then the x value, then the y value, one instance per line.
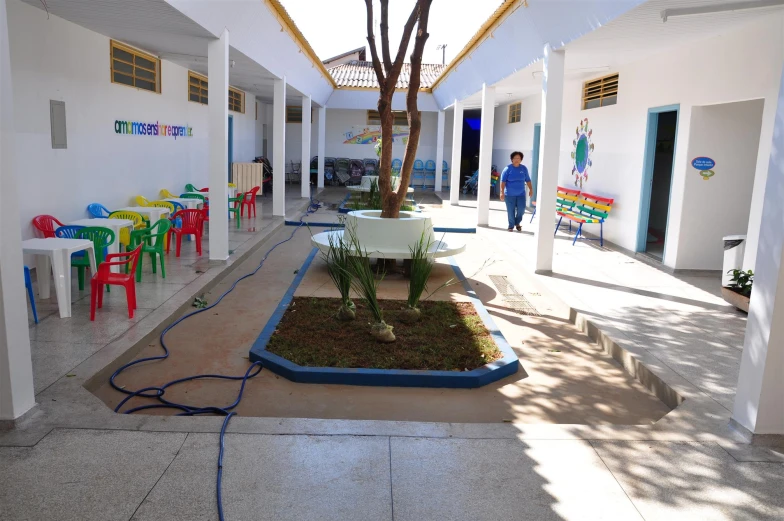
pixel 333 27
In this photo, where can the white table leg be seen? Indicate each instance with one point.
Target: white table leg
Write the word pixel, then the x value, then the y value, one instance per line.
pixel 61 267
pixel 91 253
pixel 114 247
pixel 43 271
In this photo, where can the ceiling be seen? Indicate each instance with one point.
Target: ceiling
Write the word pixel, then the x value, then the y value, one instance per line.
pixel 157 27
pixel 631 37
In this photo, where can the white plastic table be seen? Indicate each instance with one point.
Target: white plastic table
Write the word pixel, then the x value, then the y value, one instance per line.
pixel 113 224
pixel 232 194
pixel 191 204
pixel 153 213
pixel 55 254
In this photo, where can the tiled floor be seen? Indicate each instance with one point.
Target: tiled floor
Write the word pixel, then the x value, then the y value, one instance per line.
pixel 73 460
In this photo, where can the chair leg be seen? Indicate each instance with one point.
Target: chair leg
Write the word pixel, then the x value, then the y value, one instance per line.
pixel 533 214
pixel 100 294
pixel 198 243
pixel 154 266
pixel 94 293
pixel 139 270
pixel 179 244
pixel 576 235
pixel 163 268
pixel 557 226
pixel 80 274
pixel 29 285
pixel 130 290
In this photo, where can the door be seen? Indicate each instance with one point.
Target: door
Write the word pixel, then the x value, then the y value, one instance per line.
pixel 231 144
pixel 535 159
pixel 660 143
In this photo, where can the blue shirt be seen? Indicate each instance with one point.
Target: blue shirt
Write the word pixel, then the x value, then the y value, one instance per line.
pixel 515 179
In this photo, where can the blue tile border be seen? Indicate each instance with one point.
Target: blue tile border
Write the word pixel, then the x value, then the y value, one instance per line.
pixel 492 372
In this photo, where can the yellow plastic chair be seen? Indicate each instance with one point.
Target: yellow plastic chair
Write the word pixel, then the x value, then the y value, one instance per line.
pixel 142 201
pixel 165 194
pixel 163 204
pixel 125 234
pixel 232 185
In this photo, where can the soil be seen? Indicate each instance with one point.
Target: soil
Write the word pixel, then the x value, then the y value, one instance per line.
pixel 449 336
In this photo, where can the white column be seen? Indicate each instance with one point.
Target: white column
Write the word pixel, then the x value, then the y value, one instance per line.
pixel 758 399
pixel 16 369
pixel 485 155
pixel 279 149
pixel 552 109
pixel 218 101
pixel 457 153
pixel 439 150
pixel 305 171
pixel 322 148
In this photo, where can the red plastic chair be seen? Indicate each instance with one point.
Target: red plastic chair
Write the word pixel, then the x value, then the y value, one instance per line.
pixel 249 200
pixel 204 189
pixel 106 277
pixel 192 224
pixel 46 224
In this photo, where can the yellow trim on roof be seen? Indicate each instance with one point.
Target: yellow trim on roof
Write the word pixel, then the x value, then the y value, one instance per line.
pixel 287 23
pixel 496 19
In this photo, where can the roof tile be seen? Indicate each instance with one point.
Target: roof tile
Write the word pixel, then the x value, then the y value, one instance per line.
pixel 360 74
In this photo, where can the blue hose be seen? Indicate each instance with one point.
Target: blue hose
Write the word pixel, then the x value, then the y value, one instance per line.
pixel 192 410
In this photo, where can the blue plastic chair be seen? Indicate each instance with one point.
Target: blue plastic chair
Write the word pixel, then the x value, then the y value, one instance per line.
pixel 418 173
pixel 69 231
pixel 29 287
pixel 98 211
pixel 397 164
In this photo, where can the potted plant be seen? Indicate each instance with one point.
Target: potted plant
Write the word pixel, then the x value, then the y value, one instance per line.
pixel 739 290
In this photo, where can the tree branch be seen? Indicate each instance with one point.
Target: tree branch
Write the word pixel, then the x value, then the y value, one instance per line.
pixel 385 35
pixel 394 72
pixel 372 42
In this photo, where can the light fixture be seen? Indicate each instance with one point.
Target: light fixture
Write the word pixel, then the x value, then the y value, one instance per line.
pixel 721 8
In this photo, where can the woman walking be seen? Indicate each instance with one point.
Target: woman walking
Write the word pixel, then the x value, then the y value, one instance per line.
pixel 514 182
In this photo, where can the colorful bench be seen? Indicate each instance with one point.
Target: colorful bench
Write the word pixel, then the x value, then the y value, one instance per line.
pixel 589 209
pixel 564 200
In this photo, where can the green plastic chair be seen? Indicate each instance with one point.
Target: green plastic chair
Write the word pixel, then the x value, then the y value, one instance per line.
pixel 152 240
pixel 192 196
pixel 101 237
pixel 237 207
pixel 190 188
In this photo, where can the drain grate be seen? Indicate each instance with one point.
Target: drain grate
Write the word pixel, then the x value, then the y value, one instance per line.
pixel 513 298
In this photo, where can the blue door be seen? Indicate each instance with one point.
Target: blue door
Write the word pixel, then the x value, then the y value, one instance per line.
pixel 231 145
pixel 535 159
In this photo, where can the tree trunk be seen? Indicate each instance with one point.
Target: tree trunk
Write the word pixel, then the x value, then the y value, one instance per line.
pixel 387 79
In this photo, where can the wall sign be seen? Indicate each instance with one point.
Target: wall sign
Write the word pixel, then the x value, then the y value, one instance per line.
pixel 369 135
pixel 705 165
pixel 581 155
pixel 151 129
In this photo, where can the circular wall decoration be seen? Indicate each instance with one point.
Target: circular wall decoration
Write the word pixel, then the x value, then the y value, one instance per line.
pixel 581 154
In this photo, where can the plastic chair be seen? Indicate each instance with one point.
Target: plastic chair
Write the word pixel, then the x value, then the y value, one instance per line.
pixel 152 241
pixel 236 207
pixel 101 237
pixel 249 200
pixel 165 194
pixel 192 224
pixel 232 185
pixel 397 164
pixel 163 204
pixel 105 277
pixel 207 189
pixel 193 196
pixel 190 188
pixel 138 223
pixel 176 205
pixel 29 287
pixel 142 201
pixel 98 211
pixel 46 224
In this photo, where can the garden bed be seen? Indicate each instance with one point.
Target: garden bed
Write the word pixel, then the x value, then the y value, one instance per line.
pixel 450 336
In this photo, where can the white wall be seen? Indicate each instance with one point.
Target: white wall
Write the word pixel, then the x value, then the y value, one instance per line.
pixel 58 60
pixel 740 66
pixel 508 137
pixel 728 134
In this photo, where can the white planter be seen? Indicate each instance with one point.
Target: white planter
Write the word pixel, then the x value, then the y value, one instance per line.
pixel 390 238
